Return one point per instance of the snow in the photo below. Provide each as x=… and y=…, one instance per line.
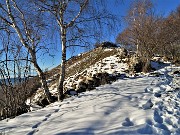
x=133, y=105
x=110, y=65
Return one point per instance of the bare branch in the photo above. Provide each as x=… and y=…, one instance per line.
x=23, y=20
x=6, y=21
x=70, y=24
x=15, y=26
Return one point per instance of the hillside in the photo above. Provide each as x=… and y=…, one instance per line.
x=86, y=64
x=105, y=94
x=77, y=64
x=144, y=104
x=78, y=78
x=91, y=69
x=127, y=84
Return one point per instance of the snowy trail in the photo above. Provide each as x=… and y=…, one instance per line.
x=101, y=111
x=141, y=105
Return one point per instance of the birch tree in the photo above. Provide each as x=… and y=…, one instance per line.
x=142, y=31
x=78, y=22
x=26, y=23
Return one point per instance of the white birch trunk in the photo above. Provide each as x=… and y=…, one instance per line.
x=31, y=51
x=41, y=75
x=63, y=65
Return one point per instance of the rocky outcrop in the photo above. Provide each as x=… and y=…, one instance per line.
x=101, y=72
x=106, y=45
x=122, y=53
x=135, y=65
x=85, y=83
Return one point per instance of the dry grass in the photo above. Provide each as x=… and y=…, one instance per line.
x=79, y=63
x=74, y=65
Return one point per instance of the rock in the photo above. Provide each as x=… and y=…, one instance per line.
x=81, y=86
x=112, y=78
x=42, y=101
x=123, y=53
x=138, y=67
x=156, y=74
x=157, y=94
x=176, y=73
x=106, y=45
x=23, y=108
x=135, y=65
x=79, y=90
x=104, y=78
x=127, y=123
x=90, y=84
x=96, y=82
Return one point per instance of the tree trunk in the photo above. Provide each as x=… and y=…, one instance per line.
x=147, y=66
x=137, y=48
x=31, y=49
x=63, y=64
x=41, y=75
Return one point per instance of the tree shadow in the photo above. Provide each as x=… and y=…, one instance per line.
x=77, y=133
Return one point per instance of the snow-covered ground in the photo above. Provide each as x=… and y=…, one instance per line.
x=112, y=65
x=147, y=104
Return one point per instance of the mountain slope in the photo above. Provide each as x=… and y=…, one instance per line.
x=79, y=63
x=84, y=67
x=148, y=104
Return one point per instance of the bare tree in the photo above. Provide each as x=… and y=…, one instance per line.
x=77, y=21
x=13, y=78
x=142, y=30
x=26, y=22
x=169, y=37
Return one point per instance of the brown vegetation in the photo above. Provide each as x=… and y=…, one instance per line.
x=151, y=34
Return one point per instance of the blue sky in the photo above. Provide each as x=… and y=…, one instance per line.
x=163, y=7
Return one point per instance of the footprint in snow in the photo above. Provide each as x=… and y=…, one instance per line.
x=32, y=132
x=147, y=129
x=36, y=125
x=48, y=115
x=149, y=122
x=168, y=121
x=127, y=123
x=148, y=89
x=178, y=121
x=161, y=126
x=148, y=105
x=169, y=111
x=57, y=110
x=164, y=128
x=156, y=94
x=134, y=99
x=157, y=117
x=160, y=106
x=45, y=119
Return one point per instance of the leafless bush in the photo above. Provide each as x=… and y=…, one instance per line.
x=13, y=82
